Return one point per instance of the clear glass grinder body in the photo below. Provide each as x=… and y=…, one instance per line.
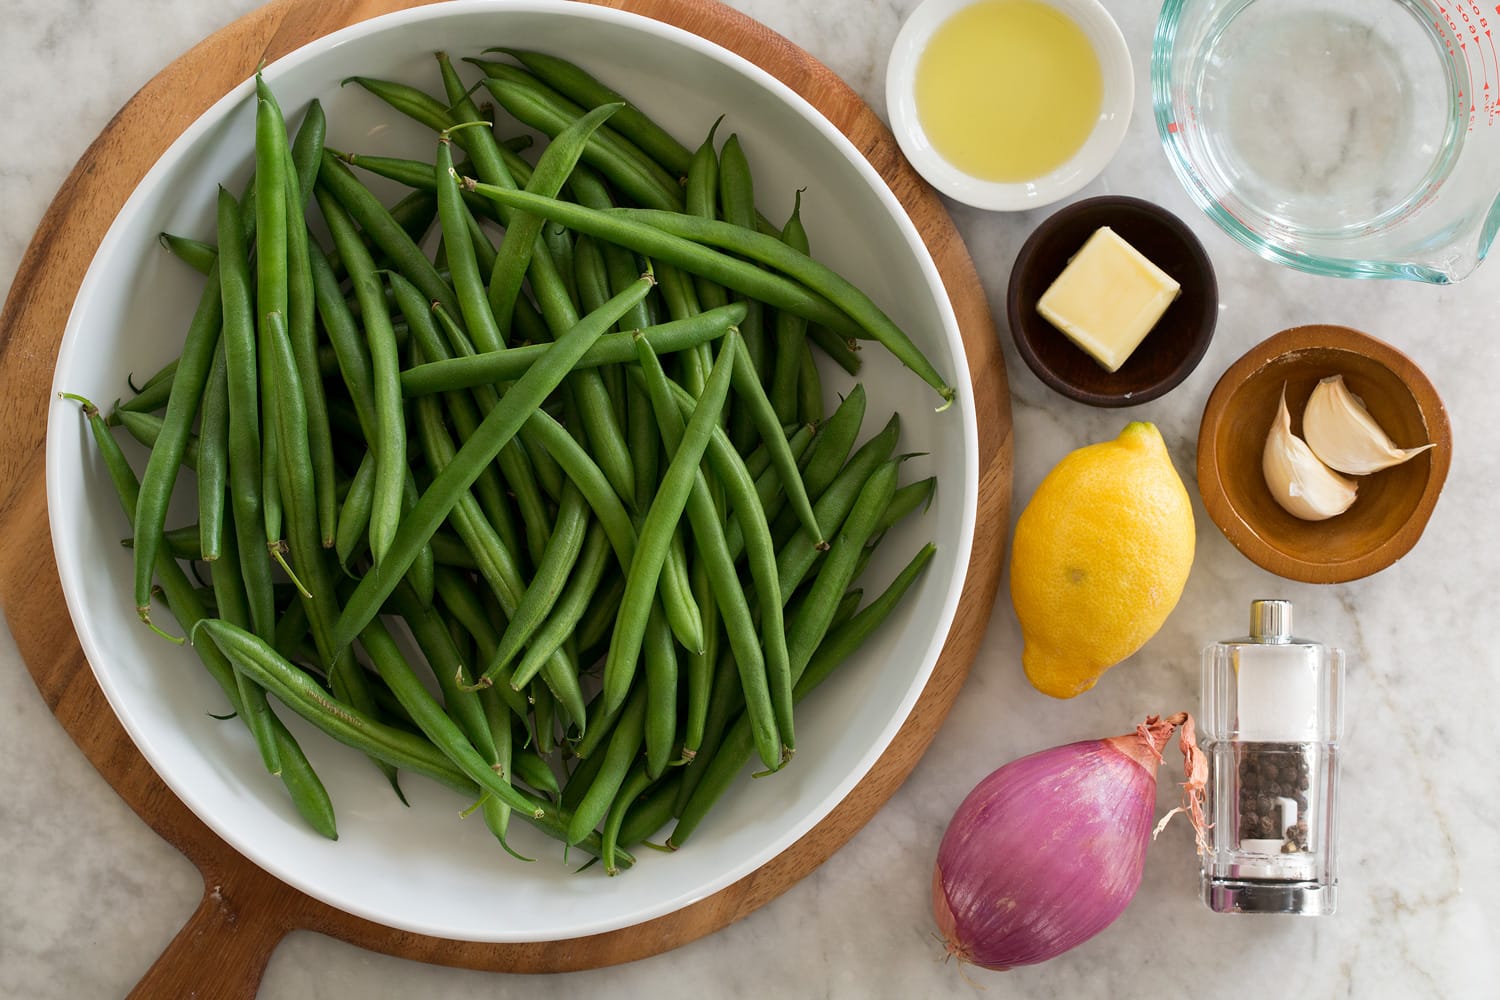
x=1271, y=721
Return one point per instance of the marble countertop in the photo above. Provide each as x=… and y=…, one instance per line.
x=89, y=895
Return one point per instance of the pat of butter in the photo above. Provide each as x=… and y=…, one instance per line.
x=1108, y=298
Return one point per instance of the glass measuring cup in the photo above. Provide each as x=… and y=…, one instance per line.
x=1355, y=138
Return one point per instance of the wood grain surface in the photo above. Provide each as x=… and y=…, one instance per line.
x=245, y=912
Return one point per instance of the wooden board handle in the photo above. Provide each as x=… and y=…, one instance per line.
x=222, y=951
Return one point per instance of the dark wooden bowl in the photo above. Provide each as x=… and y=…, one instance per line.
x=1174, y=346
x=1392, y=506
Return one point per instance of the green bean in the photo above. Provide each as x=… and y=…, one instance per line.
x=363, y=207
x=660, y=654
x=153, y=394
x=448, y=550
x=420, y=576
x=650, y=812
x=577, y=85
x=701, y=198
x=843, y=350
x=213, y=458
x=524, y=229
x=584, y=473
x=700, y=664
x=231, y=602
x=809, y=402
x=764, y=419
x=907, y=499
x=488, y=155
x=457, y=595
x=467, y=283
x=388, y=431
x=147, y=427
x=582, y=776
x=626, y=228
x=346, y=338
x=307, y=151
x=436, y=643
x=849, y=300
x=408, y=100
x=726, y=698
x=661, y=521
x=544, y=712
x=624, y=744
x=307, y=792
x=848, y=605
x=414, y=214
x=763, y=664
x=767, y=489
x=435, y=723
x=416, y=175
x=806, y=629
x=645, y=441
x=611, y=349
x=531, y=769
x=489, y=489
x=833, y=442
x=497, y=565
x=549, y=475
x=576, y=601
x=737, y=208
x=513, y=463
x=354, y=516
x=547, y=584
x=272, y=157
x=736, y=749
x=536, y=105
x=684, y=616
x=242, y=373
x=294, y=477
x=496, y=813
x=798, y=555
x=619, y=264
x=166, y=456
x=302, y=326
x=182, y=543
x=636, y=783
x=196, y=254
x=791, y=331
x=599, y=619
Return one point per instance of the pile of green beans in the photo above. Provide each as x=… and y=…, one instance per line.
x=549, y=429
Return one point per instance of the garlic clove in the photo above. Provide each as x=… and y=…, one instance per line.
x=1303, y=485
x=1341, y=432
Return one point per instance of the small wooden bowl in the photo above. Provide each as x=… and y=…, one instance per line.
x=1174, y=346
x=1392, y=506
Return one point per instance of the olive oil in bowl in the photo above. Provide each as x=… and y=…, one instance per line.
x=1008, y=90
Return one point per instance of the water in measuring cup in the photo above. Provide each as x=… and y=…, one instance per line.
x=1322, y=117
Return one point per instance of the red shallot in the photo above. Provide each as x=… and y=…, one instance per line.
x=1047, y=851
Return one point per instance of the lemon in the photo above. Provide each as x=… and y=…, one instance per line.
x=1100, y=557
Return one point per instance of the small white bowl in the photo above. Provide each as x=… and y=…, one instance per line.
x=1080, y=169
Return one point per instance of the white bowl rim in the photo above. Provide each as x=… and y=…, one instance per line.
x=92, y=642
x=1077, y=172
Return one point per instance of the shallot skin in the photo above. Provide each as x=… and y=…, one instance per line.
x=1045, y=852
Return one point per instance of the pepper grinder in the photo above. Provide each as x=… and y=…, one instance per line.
x=1271, y=721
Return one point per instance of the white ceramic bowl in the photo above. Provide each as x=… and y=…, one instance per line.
x=421, y=869
x=1079, y=170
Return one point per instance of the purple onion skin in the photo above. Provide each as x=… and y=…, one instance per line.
x=1044, y=853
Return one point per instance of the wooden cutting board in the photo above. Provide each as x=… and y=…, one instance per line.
x=223, y=949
